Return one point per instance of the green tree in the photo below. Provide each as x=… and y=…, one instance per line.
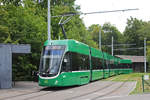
x=109, y=31
x=133, y=36
x=148, y=54
x=23, y=25
x=14, y=2
x=26, y=23
x=94, y=33
x=144, y=32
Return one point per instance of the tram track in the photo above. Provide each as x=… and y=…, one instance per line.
x=43, y=92
x=82, y=95
x=32, y=97
x=5, y=98
x=28, y=93
x=90, y=92
x=110, y=92
x=57, y=90
x=99, y=96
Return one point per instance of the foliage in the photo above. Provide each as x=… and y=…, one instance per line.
x=14, y=2
x=135, y=32
x=23, y=25
x=144, y=32
x=133, y=36
x=148, y=54
x=25, y=22
x=107, y=31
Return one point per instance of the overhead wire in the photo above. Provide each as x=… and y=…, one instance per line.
x=109, y=11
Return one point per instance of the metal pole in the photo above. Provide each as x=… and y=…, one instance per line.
x=100, y=41
x=49, y=21
x=145, y=55
x=112, y=46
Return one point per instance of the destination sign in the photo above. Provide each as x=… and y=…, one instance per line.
x=54, y=47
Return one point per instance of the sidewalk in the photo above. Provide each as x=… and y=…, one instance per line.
x=22, y=87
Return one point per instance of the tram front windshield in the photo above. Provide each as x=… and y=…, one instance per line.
x=51, y=60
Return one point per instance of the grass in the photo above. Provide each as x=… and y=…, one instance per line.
x=131, y=77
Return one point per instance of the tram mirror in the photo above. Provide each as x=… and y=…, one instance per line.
x=65, y=60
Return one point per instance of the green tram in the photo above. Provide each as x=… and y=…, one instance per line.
x=69, y=62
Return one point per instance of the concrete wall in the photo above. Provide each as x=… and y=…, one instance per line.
x=6, y=51
x=21, y=48
x=5, y=66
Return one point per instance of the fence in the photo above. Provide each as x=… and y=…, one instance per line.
x=146, y=83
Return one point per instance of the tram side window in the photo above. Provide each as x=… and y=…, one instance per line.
x=129, y=65
x=85, y=62
x=80, y=62
x=121, y=66
x=66, y=64
x=105, y=64
x=125, y=66
x=100, y=63
x=111, y=64
x=96, y=63
x=115, y=66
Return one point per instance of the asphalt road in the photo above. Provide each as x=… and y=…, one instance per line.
x=98, y=90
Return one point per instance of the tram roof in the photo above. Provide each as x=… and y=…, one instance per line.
x=96, y=53
x=72, y=45
x=79, y=47
x=76, y=46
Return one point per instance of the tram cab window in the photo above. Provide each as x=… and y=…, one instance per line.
x=66, y=63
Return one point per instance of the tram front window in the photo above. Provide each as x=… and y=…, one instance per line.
x=51, y=60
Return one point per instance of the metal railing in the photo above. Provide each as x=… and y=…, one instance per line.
x=146, y=83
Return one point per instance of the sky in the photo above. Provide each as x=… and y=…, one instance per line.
x=118, y=19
